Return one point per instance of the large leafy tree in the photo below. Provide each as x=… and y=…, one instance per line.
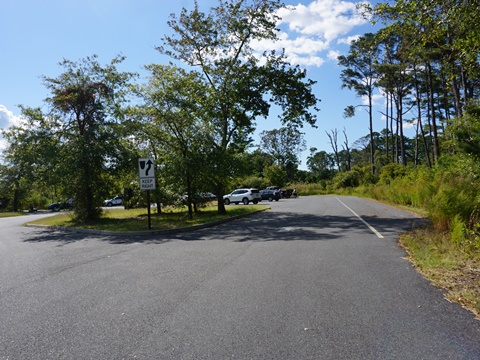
x=86, y=104
x=173, y=125
x=31, y=161
x=239, y=86
x=284, y=145
x=321, y=164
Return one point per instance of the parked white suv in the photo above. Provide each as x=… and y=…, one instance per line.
x=243, y=196
x=117, y=200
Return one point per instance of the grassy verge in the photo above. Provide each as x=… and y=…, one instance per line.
x=444, y=257
x=446, y=266
x=11, y=213
x=136, y=219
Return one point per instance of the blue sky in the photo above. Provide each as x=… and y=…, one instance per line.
x=36, y=35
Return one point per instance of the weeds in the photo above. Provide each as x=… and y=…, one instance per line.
x=440, y=261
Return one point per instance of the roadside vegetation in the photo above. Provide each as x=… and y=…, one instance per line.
x=196, y=120
x=10, y=213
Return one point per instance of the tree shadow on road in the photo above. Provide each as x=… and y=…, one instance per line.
x=259, y=227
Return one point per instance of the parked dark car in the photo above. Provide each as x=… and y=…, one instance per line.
x=270, y=195
x=57, y=206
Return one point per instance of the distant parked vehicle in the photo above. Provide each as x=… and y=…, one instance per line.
x=57, y=206
x=270, y=195
x=287, y=193
x=117, y=200
x=244, y=196
x=200, y=197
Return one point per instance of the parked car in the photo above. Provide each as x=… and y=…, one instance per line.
x=117, y=200
x=286, y=194
x=270, y=195
x=244, y=196
x=200, y=197
x=57, y=206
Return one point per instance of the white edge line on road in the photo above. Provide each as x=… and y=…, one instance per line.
x=358, y=216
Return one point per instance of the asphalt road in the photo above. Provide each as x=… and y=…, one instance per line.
x=312, y=278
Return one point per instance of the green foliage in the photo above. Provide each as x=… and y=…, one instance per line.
x=390, y=172
x=308, y=189
x=321, y=164
x=457, y=230
x=347, y=179
x=449, y=194
x=275, y=174
x=87, y=103
x=353, y=178
x=250, y=182
x=466, y=131
x=238, y=87
x=471, y=240
x=284, y=146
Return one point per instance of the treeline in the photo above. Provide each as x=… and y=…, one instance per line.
x=196, y=121
x=425, y=63
x=195, y=116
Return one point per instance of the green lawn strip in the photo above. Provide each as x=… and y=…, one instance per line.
x=137, y=219
x=11, y=213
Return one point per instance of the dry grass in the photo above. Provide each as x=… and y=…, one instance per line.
x=446, y=266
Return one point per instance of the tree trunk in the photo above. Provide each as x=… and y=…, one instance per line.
x=436, y=145
x=221, y=204
x=372, y=145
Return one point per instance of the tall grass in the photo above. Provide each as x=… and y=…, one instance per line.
x=451, y=200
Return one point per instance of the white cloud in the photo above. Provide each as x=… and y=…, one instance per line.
x=327, y=19
x=307, y=31
x=377, y=99
x=348, y=40
x=7, y=118
x=333, y=55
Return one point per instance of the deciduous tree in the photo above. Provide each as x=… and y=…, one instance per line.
x=86, y=101
x=239, y=85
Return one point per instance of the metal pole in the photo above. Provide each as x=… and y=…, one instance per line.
x=148, y=211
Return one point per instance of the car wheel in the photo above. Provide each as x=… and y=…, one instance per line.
x=227, y=202
x=270, y=198
x=277, y=199
x=255, y=202
x=109, y=204
x=245, y=201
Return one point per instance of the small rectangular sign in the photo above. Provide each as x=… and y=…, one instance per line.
x=147, y=184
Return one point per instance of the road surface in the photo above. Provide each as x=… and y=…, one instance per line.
x=312, y=278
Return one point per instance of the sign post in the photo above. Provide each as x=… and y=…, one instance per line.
x=146, y=171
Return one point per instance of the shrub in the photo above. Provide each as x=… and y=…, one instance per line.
x=392, y=171
x=347, y=179
x=250, y=182
x=306, y=189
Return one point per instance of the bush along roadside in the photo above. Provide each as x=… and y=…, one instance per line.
x=448, y=251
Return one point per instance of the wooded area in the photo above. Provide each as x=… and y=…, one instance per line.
x=196, y=116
